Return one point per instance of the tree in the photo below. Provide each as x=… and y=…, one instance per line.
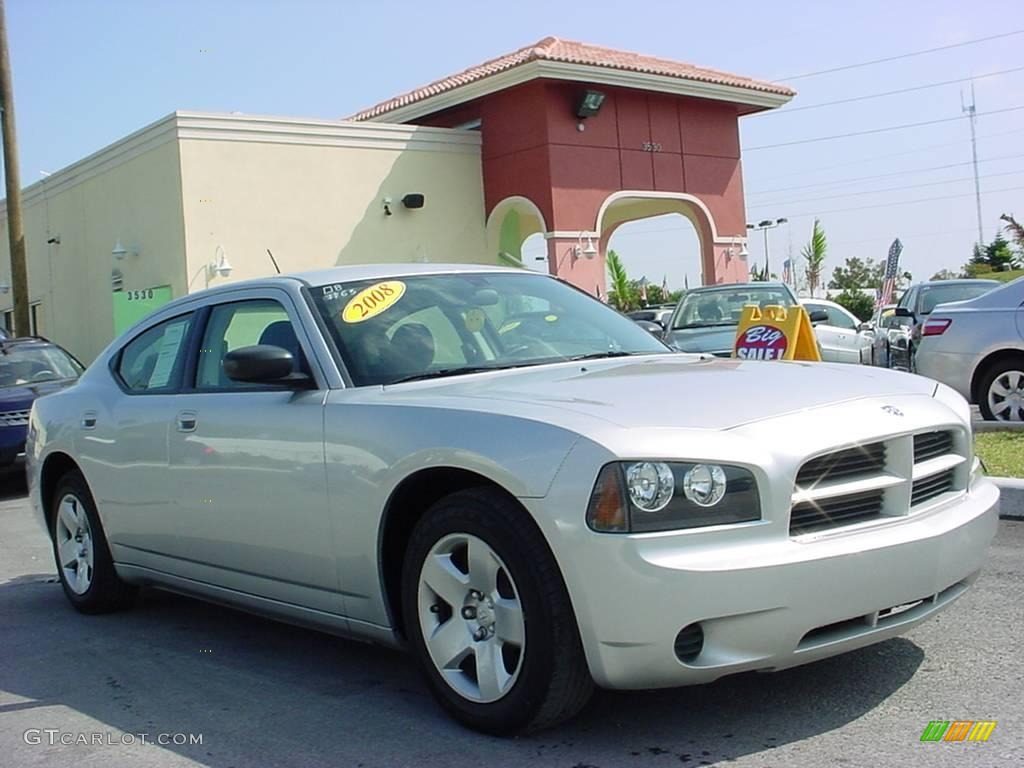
x=945, y=274
x=998, y=254
x=1014, y=230
x=619, y=287
x=858, y=273
x=814, y=253
x=857, y=302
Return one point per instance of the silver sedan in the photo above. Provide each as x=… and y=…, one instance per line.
x=454, y=460
x=977, y=347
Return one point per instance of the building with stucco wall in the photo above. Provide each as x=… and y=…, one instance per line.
x=498, y=152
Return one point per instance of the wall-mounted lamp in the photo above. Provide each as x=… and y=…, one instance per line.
x=219, y=267
x=587, y=251
x=119, y=251
x=387, y=203
x=589, y=104
x=55, y=240
x=5, y=288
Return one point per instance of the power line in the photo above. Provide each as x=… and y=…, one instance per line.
x=877, y=130
x=898, y=202
x=901, y=56
x=776, y=204
x=903, y=153
x=789, y=110
x=857, y=179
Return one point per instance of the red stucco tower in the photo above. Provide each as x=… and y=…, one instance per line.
x=661, y=137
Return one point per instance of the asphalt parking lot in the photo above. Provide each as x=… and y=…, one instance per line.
x=266, y=694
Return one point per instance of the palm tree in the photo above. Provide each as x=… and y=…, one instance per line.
x=814, y=252
x=618, y=289
x=1013, y=229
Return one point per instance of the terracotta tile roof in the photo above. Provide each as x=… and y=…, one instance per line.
x=569, y=52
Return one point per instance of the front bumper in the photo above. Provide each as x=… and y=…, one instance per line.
x=768, y=603
x=12, y=443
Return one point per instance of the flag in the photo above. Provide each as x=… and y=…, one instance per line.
x=892, y=265
x=786, y=272
x=686, y=282
x=643, y=291
x=664, y=288
x=599, y=296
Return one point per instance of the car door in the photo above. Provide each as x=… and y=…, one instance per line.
x=123, y=443
x=846, y=339
x=247, y=462
x=826, y=334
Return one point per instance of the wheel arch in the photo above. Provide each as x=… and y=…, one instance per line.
x=985, y=365
x=55, y=466
x=406, y=505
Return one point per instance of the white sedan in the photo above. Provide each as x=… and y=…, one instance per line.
x=839, y=336
x=454, y=460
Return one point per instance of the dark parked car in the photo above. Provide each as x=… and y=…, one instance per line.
x=706, y=318
x=659, y=315
x=919, y=301
x=29, y=368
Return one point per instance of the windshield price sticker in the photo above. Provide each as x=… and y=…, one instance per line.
x=762, y=342
x=371, y=301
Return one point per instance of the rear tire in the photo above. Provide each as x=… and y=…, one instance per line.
x=489, y=619
x=84, y=565
x=1001, y=394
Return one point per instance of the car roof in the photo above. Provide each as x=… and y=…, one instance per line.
x=962, y=281
x=737, y=286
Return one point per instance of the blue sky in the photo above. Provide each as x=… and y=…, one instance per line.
x=87, y=73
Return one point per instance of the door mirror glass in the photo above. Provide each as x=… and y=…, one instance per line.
x=260, y=364
x=902, y=312
x=818, y=316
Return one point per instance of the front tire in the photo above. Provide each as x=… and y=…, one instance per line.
x=1001, y=396
x=489, y=618
x=83, y=560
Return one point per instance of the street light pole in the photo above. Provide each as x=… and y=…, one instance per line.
x=15, y=231
x=764, y=225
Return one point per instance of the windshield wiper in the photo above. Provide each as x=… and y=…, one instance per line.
x=702, y=325
x=602, y=355
x=445, y=372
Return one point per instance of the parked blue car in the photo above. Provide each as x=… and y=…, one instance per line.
x=29, y=368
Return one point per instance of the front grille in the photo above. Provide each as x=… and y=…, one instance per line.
x=810, y=516
x=14, y=418
x=928, y=445
x=847, y=463
x=928, y=488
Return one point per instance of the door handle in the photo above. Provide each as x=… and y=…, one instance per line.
x=187, y=421
x=88, y=420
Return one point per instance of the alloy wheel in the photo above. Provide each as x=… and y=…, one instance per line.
x=76, y=554
x=471, y=618
x=1006, y=396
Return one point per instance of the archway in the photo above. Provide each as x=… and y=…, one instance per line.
x=511, y=223
x=664, y=249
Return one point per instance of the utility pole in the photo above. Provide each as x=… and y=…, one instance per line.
x=15, y=230
x=972, y=114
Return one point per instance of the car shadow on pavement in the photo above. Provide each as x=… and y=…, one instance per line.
x=12, y=483
x=265, y=693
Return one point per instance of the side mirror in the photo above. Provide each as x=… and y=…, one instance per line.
x=865, y=327
x=902, y=312
x=818, y=316
x=262, y=364
x=651, y=327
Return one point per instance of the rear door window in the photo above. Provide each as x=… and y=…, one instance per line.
x=152, y=361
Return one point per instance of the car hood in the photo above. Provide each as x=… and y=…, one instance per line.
x=23, y=395
x=670, y=391
x=702, y=339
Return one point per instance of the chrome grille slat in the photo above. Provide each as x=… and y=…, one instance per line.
x=14, y=418
x=928, y=445
x=930, y=487
x=848, y=462
x=830, y=513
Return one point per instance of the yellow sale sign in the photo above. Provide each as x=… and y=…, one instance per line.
x=775, y=333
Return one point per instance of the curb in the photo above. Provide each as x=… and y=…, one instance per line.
x=997, y=426
x=1011, y=497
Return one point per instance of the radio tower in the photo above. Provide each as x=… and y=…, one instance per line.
x=972, y=114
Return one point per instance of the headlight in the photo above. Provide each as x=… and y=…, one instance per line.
x=644, y=496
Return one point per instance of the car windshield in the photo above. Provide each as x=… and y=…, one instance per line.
x=703, y=309
x=428, y=326
x=31, y=365
x=933, y=295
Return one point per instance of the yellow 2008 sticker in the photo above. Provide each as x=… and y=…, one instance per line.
x=371, y=301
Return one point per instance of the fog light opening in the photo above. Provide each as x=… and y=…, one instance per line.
x=689, y=643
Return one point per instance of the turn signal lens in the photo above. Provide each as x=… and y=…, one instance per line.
x=607, y=512
x=936, y=327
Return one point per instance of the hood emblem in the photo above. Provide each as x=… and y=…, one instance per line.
x=892, y=410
